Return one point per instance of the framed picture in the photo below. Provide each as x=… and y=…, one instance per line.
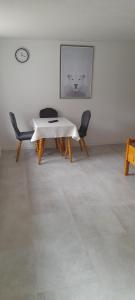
x=76, y=71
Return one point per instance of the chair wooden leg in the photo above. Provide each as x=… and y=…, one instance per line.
x=85, y=146
x=80, y=145
x=43, y=145
x=18, y=150
x=126, y=167
x=59, y=145
x=62, y=145
x=40, y=151
x=126, y=163
x=66, y=149
x=56, y=143
x=69, y=149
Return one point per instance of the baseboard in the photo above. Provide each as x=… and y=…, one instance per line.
x=50, y=144
x=28, y=146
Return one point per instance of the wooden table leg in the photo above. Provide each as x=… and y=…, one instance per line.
x=40, y=150
x=69, y=149
x=37, y=146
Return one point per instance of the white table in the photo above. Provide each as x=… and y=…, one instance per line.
x=61, y=129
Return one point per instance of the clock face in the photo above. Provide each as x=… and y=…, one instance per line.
x=22, y=55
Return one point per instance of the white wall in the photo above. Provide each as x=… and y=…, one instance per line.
x=26, y=88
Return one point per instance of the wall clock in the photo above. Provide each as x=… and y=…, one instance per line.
x=22, y=55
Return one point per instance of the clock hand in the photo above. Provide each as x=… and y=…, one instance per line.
x=23, y=55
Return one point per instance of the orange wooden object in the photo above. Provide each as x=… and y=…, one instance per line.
x=130, y=155
x=40, y=150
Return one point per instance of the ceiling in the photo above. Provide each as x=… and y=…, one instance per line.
x=78, y=20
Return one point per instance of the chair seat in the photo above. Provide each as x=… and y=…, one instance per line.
x=25, y=135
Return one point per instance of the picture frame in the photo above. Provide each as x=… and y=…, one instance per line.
x=76, y=71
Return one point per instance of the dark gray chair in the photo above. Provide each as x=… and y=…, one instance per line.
x=86, y=116
x=20, y=136
x=48, y=112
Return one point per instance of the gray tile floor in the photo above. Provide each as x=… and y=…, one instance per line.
x=67, y=231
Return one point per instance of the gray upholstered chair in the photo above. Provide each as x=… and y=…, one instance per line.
x=20, y=136
x=83, y=129
x=49, y=112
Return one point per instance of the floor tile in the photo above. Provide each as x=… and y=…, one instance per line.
x=83, y=291
x=67, y=230
x=17, y=271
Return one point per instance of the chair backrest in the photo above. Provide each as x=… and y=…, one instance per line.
x=14, y=124
x=48, y=113
x=84, y=123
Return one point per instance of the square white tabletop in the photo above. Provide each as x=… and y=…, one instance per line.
x=62, y=128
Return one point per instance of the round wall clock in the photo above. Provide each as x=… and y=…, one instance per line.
x=22, y=55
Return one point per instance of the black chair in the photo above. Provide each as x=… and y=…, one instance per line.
x=48, y=113
x=83, y=130
x=20, y=136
